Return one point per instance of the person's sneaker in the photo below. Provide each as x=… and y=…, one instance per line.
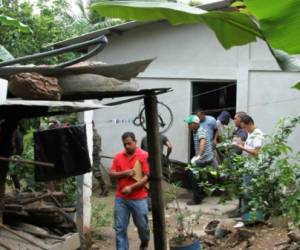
x=192, y=202
x=144, y=245
x=239, y=224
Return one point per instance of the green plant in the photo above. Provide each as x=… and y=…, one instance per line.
x=69, y=188
x=101, y=216
x=274, y=175
x=49, y=22
x=185, y=220
x=274, y=187
x=278, y=28
x=24, y=171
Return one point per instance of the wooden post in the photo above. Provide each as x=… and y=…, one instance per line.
x=3, y=90
x=158, y=208
x=6, y=133
x=84, y=184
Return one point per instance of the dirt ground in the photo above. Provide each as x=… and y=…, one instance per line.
x=258, y=237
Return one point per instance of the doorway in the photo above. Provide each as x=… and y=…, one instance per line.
x=213, y=98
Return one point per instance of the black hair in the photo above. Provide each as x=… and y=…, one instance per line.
x=241, y=114
x=128, y=134
x=247, y=119
x=200, y=110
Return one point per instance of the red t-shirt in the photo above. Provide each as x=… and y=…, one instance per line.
x=122, y=162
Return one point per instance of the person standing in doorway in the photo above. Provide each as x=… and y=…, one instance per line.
x=207, y=122
x=225, y=127
x=131, y=195
x=239, y=134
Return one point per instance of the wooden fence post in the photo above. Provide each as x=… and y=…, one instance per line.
x=158, y=208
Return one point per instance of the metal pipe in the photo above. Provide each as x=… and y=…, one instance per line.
x=102, y=40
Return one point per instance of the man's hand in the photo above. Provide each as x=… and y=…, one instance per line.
x=194, y=159
x=127, y=190
x=129, y=173
x=240, y=146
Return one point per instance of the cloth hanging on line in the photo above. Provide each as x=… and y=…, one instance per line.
x=66, y=148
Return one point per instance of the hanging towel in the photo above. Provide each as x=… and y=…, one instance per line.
x=66, y=148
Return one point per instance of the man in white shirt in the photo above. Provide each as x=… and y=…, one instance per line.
x=250, y=148
x=255, y=137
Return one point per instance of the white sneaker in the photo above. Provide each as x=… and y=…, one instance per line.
x=239, y=224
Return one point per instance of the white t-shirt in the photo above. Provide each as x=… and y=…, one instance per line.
x=254, y=140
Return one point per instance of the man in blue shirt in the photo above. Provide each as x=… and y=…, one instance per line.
x=207, y=122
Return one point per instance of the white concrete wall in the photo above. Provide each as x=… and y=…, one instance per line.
x=186, y=53
x=111, y=131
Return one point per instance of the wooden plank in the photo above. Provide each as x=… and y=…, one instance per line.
x=72, y=242
x=21, y=236
x=39, y=163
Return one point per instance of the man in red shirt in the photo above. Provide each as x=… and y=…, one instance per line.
x=131, y=194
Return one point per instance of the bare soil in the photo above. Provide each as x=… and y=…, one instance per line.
x=257, y=237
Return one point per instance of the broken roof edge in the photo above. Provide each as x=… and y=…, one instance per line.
x=217, y=5
x=50, y=104
x=18, y=108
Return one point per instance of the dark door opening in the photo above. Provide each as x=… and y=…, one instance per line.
x=213, y=98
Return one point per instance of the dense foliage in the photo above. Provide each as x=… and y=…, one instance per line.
x=49, y=23
x=275, y=174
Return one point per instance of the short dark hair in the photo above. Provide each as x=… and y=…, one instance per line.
x=200, y=110
x=247, y=119
x=241, y=114
x=128, y=134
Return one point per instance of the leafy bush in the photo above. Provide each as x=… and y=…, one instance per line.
x=100, y=216
x=275, y=174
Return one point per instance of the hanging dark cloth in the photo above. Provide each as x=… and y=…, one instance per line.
x=66, y=148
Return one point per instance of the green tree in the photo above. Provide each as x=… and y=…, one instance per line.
x=277, y=23
x=49, y=23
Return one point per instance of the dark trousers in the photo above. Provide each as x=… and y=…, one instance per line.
x=198, y=191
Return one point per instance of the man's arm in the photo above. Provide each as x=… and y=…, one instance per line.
x=121, y=174
x=251, y=151
x=216, y=135
x=202, y=145
x=129, y=189
x=169, y=148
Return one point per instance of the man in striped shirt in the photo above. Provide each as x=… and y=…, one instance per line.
x=203, y=155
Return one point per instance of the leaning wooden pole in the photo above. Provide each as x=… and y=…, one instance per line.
x=158, y=209
x=7, y=129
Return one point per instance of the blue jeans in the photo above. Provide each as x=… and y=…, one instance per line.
x=139, y=211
